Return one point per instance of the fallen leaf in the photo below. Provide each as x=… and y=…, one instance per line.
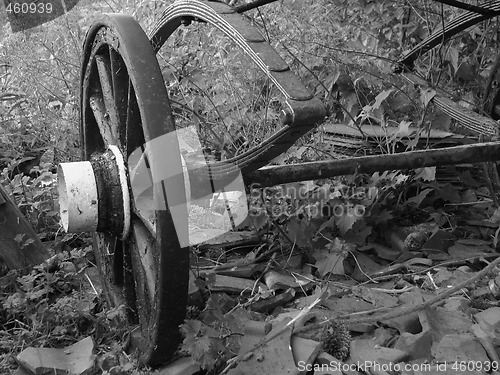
x=364, y=266
x=274, y=357
x=346, y=305
x=459, y=347
x=442, y=322
x=417, y=200
x=461, y=251
x=76, y=359
x=346, y=219
x=365, y=351
x=299, y=231
x=489, y=321
x=417, y=345
x=268, y=304
x=302, y=348
x=330, y=262
x=276, y=280
x=235, y=285
x=378, y=299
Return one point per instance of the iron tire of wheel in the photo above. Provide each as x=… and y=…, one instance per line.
x=124, y=103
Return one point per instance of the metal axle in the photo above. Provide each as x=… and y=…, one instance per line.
x=282, y=174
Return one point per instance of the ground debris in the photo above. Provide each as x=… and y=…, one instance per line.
x=76, y=359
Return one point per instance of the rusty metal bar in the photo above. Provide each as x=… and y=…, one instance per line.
x=275, y=175
x=246, y=7
x=455, y=26
x=469, y=7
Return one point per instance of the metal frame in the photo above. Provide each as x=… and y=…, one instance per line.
x=482, y=125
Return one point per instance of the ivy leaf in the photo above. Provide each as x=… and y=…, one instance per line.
x=299, y=231
x=496, y=216
x=331, y=263
x=453, y=57
x=404, y=128
x=358, y=234
x=191, y=328
x=200, y=342
x=258, y=218
x=308, y=186
x=15, y=300
x=347, y=218
x=400, y=178
x=331, y=260
x=426, y=96
x=426, y=174
x=412, y=143
x=449, y=193
x=199, y=348
x=381, y=97
x=420, y=197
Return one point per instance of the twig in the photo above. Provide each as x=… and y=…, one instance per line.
x=268, y=267
x=361, y=269
x=469, y=203
x=413, y=309
x=432, y=280
x=92, y=285
x=393, y=291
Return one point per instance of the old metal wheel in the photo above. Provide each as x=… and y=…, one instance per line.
x=124, y=103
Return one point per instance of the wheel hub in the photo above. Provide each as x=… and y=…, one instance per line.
x=94, y=195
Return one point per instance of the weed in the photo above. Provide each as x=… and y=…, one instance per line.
x=53, y=306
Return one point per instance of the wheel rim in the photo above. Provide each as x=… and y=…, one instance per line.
x=124, y=103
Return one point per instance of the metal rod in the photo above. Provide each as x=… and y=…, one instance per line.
x=254, y=4
x=469, y=7
x=275, y=175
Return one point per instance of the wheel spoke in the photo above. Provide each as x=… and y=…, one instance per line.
x=134, y=134
x=143, y=204
x=114, y=283
x=106, y=128
x=144, y=250
x=107, y=92
x=121, y=88
x=148, y=218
